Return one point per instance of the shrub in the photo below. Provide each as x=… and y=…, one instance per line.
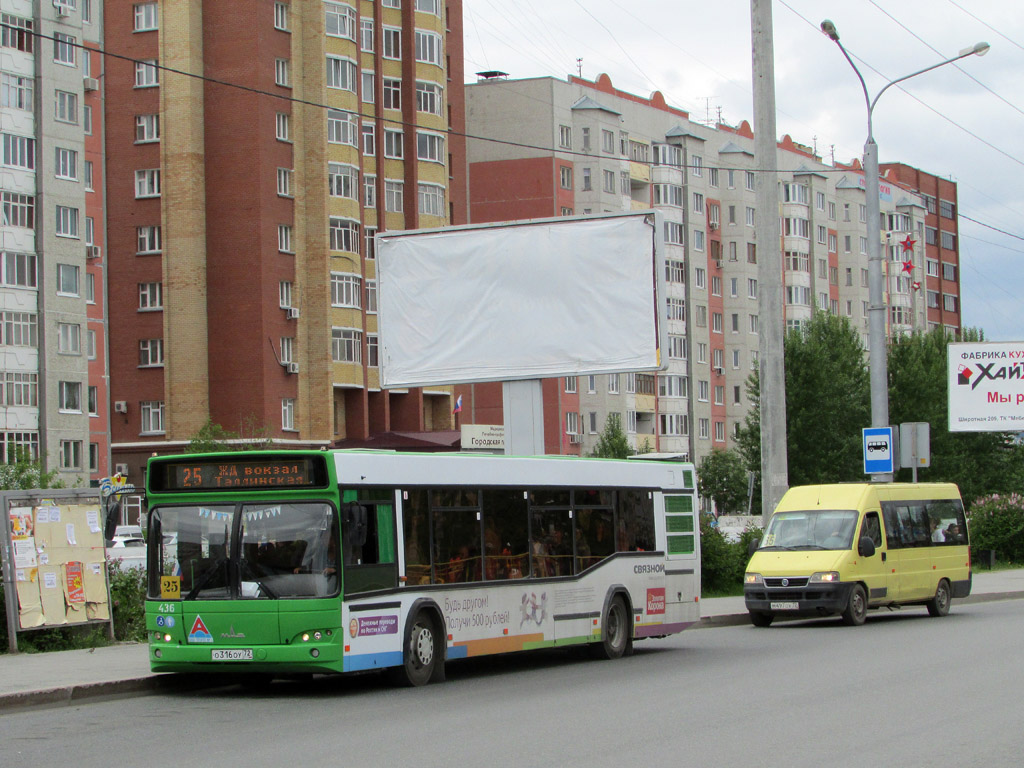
x=128, y=601
x=996, y=522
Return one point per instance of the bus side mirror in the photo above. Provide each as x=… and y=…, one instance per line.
x=113, y=509
x=353, y=518
x=752, y=547
x=865, y=547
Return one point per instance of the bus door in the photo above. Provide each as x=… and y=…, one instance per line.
x=681, y=557
x=368, y=541
x=874, y=571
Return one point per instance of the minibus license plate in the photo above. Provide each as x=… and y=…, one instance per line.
x=785, y=606
x=232, y=654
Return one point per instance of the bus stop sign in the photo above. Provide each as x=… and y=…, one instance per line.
x=878, y=450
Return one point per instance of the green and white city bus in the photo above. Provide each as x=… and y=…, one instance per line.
x=285, y=562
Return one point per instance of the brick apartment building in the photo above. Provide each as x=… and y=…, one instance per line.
x=241, y=244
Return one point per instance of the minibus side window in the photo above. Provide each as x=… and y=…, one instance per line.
x=872, y=529
x=892, y=525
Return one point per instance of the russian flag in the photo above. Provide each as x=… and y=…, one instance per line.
x=458, y=405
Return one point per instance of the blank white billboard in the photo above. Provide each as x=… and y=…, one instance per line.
x=522, y=300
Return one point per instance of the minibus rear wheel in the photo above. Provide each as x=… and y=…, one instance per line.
x=759, y=619
x=939, y=605
x=857, y=609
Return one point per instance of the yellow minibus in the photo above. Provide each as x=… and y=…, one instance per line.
x=847, y=547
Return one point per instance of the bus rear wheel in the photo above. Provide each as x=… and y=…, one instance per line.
x=423, y=655
x=856, y=610
x=616, y=631
x=939, y=605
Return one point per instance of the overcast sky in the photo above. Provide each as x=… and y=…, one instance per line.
x=697, y=53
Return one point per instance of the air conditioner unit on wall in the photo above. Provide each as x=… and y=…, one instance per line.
x=93, y=251
x=293, y=313
x=292, y=367
x=121, y=469
x=120, y=406
x=90, y=83
x=61, y=9
x=573, y=439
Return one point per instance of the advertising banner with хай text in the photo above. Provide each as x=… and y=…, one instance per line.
x=986, y=386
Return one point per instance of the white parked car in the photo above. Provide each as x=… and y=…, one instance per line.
x=129, y=551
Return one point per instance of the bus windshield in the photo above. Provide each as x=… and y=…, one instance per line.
x=811, y=529
x=259, y=551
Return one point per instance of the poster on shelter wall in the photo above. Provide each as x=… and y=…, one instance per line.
x=76, y=582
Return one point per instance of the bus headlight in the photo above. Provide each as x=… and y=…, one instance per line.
x=752, y=578
x=824, y=577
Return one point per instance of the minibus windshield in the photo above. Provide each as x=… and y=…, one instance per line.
x=811, y=529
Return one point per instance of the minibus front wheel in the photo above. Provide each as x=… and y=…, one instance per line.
x=759, y=619
x=939, y=605
x=856, y=610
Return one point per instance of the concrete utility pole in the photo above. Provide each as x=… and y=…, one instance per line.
x=774, y=454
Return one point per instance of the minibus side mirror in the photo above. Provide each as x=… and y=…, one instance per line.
x=866, y=547
x=752, y=547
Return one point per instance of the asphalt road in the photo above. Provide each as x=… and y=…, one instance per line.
x=903, y=690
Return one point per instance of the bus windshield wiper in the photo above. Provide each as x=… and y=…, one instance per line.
x=207, y=575
x=256, y=580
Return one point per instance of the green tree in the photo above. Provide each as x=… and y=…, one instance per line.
x=212, y=437
x=612, y=443
x=979, y=463
x=24, y=473
x=721, y=476
x=827, y=404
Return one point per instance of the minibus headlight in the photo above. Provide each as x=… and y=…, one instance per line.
x=752, y=578
x=825, y=577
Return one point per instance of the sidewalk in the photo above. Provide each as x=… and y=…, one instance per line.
x=70, y=677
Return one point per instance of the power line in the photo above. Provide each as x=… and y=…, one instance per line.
x=957, y=66
x=985, y=23
x=915, y=98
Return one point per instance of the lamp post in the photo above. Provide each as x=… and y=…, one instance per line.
x=876, y=289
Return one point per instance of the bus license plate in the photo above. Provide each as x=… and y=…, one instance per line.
x=780, y=607
x=232, y=654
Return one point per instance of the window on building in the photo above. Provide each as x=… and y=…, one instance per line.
x=428, y=48
x=288, y=413
x=430, y=148
x=392, y=45
x=369, y=133
x=282, y=126
x=343, y=181
x=284, y=182
x=430, y=198
x=67, y=221
x=346, y=290
x=151, y=353
x=150, y=296
x=393, y=146
x=64, y=49
x=346, y=345
x=342, y=127
x=66, y=163
x=69, y=396
x=67, y=107
x=19, y=152
x=366, y=35
x=429, y=97
x=152, y=416
x=394, y=196
x=69, y=338
x=284, y=238
x=71, y=454
x=344, y=234
x=340, y=20
x=146, y=17
x=148, y=76
x=148, y=239
x=147, y=183
x=341, y=73
x=564, y=137
x=147, y=128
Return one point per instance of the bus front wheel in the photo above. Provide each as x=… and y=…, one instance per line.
x=616, y=631
x=939, y=605
x=423, y=655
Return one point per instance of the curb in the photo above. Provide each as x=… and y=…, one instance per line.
x=735, y=619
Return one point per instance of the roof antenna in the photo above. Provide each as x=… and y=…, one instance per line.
x=579, y=66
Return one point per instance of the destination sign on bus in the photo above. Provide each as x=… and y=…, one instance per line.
x=229, y=474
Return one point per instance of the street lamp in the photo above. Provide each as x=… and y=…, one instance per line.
x=876, y=292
